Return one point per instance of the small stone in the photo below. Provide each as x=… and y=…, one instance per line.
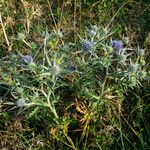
x=117, y=45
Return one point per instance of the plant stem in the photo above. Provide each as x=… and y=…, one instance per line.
x=3, y=28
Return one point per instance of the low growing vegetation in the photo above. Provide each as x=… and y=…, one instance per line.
x=74, y=75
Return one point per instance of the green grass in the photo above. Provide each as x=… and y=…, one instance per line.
x=71, y=94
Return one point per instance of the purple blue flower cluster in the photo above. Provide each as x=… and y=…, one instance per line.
x=117, y=45
x=87, y=46
x=72, y=67
x=26, y=59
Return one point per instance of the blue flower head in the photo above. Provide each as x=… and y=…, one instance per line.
x=133, y=68
x=87, y=46
x=72, y=67
x=117, y=45
x=26, y=59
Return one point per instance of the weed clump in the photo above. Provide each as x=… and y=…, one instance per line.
x=95, y=81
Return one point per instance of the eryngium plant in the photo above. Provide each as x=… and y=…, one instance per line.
x=109, y=61
x=95, y=70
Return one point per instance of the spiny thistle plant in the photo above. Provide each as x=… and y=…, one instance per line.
x=97, y=71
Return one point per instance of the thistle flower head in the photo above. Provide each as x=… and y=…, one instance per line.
x=87, y=46
x=117, y=45
x=26, y=59
x=72, y=67
x=133, y=68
